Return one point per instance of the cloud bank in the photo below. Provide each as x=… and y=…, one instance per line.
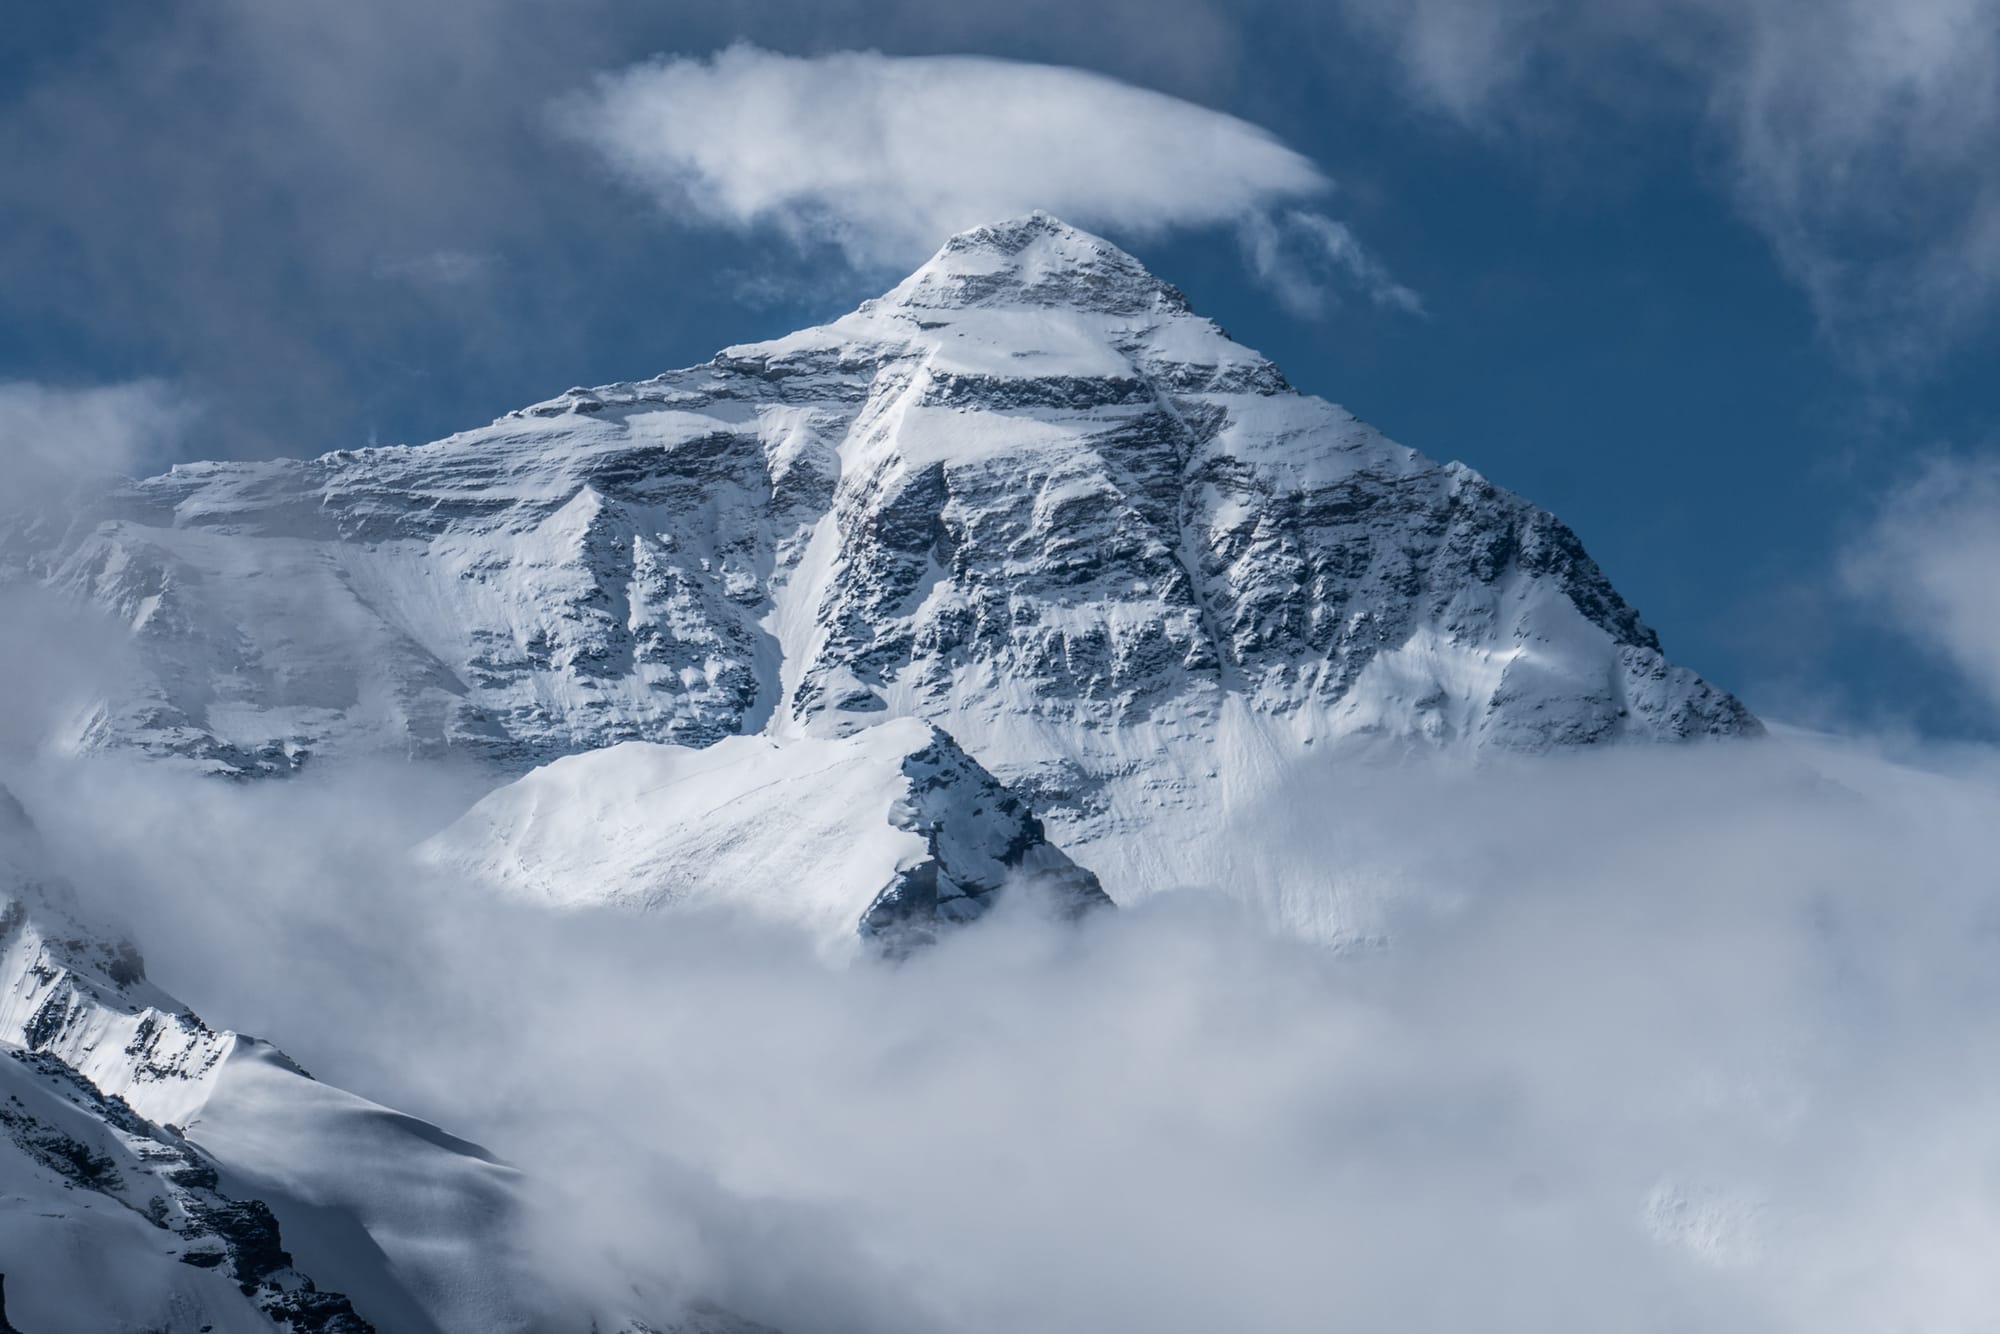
x=886, y=156
x=1858, y=137
x=1653, y=1040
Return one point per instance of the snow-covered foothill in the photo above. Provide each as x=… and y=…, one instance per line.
x=880, y=835
x=138, y=1098
x=111, y=1222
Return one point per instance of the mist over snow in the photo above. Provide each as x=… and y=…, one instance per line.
x=53, y=435
x=1648, y=1040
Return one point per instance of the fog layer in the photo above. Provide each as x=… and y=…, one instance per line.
x=1645, y=1039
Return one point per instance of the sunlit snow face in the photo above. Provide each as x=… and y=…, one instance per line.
x=1652, y=1040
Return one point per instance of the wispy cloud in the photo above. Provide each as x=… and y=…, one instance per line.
x=885, y=156
x=1931, y=561
x=439, y=268
x=1858, y=137
x=1299, y=255
x=49, y=433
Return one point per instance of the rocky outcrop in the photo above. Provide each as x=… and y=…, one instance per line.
x=979, y=840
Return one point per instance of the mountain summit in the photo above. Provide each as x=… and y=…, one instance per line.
x=1037, y=261
x=1028, y=496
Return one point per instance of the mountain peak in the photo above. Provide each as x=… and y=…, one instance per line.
x=1035, y=260
x=1012, y=236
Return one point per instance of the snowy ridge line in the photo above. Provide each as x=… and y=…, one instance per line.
x=80, y=995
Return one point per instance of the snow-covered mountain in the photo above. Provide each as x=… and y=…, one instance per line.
x=1028, y=496
x=1023, y=562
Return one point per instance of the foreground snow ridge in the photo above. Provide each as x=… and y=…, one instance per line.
x=147, y=1156
x=156, y=1173
x=885, y=835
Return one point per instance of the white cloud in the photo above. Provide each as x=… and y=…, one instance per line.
x=1932, y=561
x=1865, y=137
x=1859, y=136
x=1459, y=54
x=886, y=156
x=50, y=432
x=55, y=660
x=1659, y=1039
x=1288, y=251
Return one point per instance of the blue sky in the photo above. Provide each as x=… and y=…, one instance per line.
x=1713, y=282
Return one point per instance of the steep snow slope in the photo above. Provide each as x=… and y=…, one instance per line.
x=108, y=1221
x=893, y=830
x=76, y=992
x=1027, y=495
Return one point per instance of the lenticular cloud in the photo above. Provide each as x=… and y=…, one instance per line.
x=885, y=156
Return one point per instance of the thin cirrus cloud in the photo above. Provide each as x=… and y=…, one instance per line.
x=885, y=156
x=1857, y=137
